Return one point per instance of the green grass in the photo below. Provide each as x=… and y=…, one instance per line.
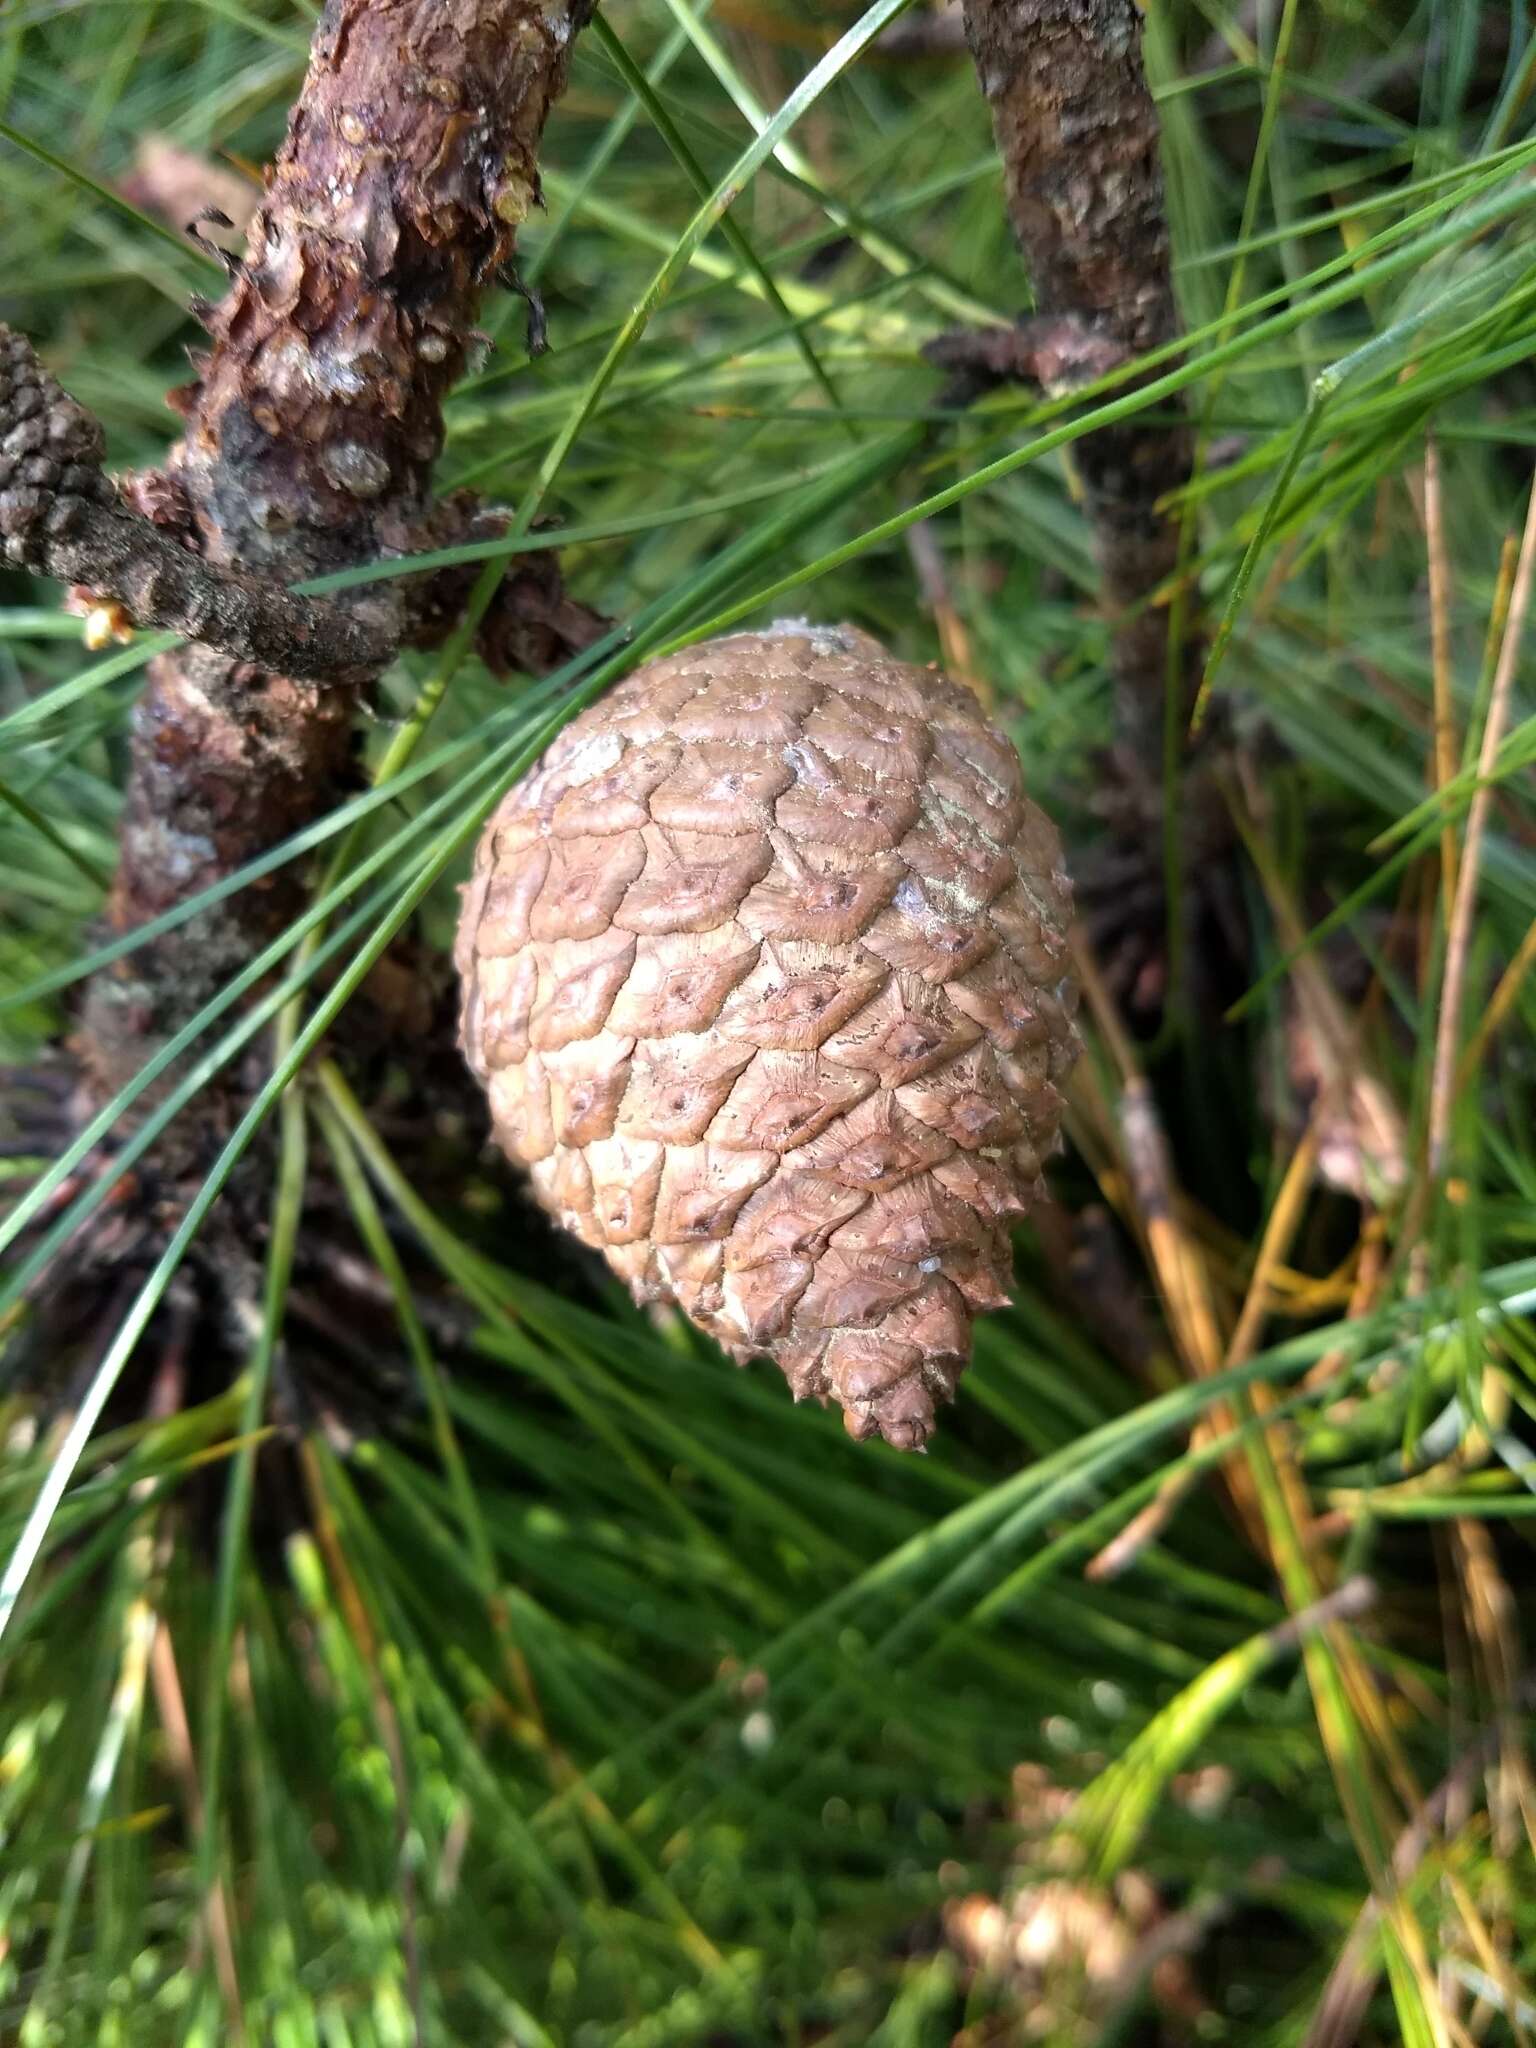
x=605, y=1697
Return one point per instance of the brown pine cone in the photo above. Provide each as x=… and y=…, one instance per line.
x=765, y=972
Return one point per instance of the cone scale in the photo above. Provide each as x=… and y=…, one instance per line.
x=765, y=975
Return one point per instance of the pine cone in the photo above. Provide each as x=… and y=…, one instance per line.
x=765, y=972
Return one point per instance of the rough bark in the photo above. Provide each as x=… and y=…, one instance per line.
x=60, y=514
x=311, y=433
x=1078, y=135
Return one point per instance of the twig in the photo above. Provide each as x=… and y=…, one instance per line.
x=1122, y=1551
x=176, y=1730
x=933, y=582
x=1348, y=1602
x=1177, y=1261
x=1353, y=1096
x=1459, y=937
x=1370, y=1273
x=1078, y=135
x=1499, y=1005
x=61, y=516
x=1444, y=759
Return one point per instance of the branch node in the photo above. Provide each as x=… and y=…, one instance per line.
x=1058, y=353
x=61, y=516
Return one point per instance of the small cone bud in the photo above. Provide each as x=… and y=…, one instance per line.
x=765, y=975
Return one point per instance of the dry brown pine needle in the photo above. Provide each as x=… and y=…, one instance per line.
x=765, y=973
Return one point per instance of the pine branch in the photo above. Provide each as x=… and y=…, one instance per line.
x=1078, y=135
x=61, y=516
x=311, y=433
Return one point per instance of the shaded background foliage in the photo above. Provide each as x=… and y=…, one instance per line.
x=539, y=1679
